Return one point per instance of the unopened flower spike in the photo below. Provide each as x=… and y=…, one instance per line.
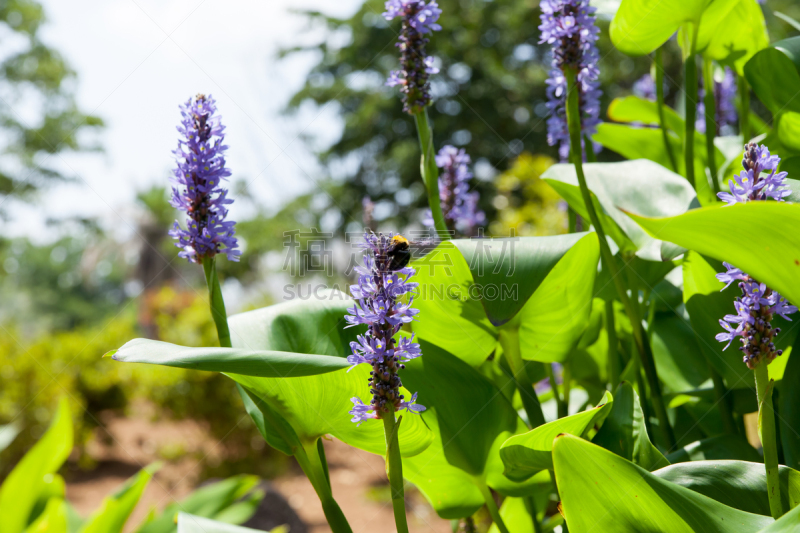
x=198, y=186
x=383, y=280
x=569, y=26
x=460, y=207
x=758, y=304
x=419, y=18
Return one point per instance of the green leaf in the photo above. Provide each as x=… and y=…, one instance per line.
x=515, y=516
x=450, y=313
x=313, y=406
x=601, y=491
x=624, y=431
x=788, y=129
x=54, y=519
x=248, y=362
x=789, y=20
x=772, y=75
x=566, y=298
x=525, y=455
x=737, y=37
x=519, y=264
x=188, y=523
x=22, y=487
x=785, y=524
x=634, y=109
x=676, y=350
x=450, y=490
x=707, y=304
x=789, y=411
x=115, y=510
x=738, y=484
x=716, y=448
x=641, y=26
x=773, y=258
x=206, y=502
x=641, y=186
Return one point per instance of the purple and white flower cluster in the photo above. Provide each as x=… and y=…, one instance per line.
x=758, y=304
x=569, y=26
x=460, y=206
x=725, y=99
x=419, y=18
x=754, y=183
x=645, y=88
x=198, y=184
x=378, y=305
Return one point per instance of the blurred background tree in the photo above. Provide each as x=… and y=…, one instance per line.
x=39, y=117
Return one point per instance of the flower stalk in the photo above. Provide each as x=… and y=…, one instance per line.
x=430, y=173
x=710, y=105
x=509, y=341
x=491, y=505
x=659, y=68
x=610, y=263
x=691, y=94
x=394, y=469
x=767, y=434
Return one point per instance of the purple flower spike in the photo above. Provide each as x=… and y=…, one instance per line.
x=645, y=88
x=569, y=26
x=198, y=186
x=460, y=206
x=757, y=304
x=754, y=183
x=378, y=293
x=419, y=18
x=725, y=97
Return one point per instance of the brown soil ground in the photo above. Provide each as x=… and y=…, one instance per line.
x=358, y=478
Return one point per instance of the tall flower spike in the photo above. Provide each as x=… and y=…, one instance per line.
x=198, y=186
x=725, y=97
x=460, y=206
x=378, y=304
x=569, y=26
x=757, y=304
x=419, y=18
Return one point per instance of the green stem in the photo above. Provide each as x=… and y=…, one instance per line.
x=566, y=378
x=556, y=393
x=659, y=64
x=744, y=109
x=430, y=172
x=312, y=464
x=766, y=431
x=537, y=527
x=218, y=312
x=690, y=90
x=509, y=341
x=610, y=262
x=710, y=102
x=494, y=512
x=613, y=355
x=394, y=469
x=591, y=157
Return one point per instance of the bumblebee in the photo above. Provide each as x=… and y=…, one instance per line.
x=399, y=253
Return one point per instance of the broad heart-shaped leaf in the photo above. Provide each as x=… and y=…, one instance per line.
x=773, y=75
x=21, y=489
x=641, y=26
x=115, y=510
x=262, y=363
x=773, y=258
x=624, y=431
x=634, y=142
x=601, y=491
x=738, y=484
x=206, y=502
x=514, y=264
x=536, y=273
x=470, y=419
x=716, y=448
x=676, y=351
x=730, y=31
x=555, y=317
x=641, y=186
x=450, y=311
x=188, y=523
x=516, y=516
x=631, y=109
x=306, y=408
x=525, y=455
x=789, y=409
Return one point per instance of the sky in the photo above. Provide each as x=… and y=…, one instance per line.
x=137, y=60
